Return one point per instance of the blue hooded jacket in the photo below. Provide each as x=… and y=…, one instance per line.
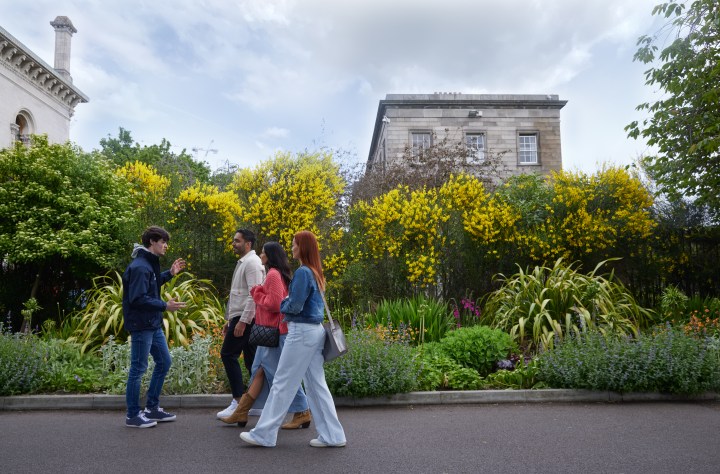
x=142, y=306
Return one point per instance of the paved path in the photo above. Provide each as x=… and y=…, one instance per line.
x=659, y=437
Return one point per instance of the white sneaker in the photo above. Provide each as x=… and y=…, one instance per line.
x=316, y=443
x=229, y=410
x=245, y=436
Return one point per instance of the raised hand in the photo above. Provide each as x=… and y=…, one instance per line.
x=177, y=266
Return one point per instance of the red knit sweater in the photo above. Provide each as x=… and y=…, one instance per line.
x=267, y=299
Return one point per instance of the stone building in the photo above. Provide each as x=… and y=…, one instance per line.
x=34, y=97
x=521, y=131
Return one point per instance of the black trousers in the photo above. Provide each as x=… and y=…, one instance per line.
x=230, y=352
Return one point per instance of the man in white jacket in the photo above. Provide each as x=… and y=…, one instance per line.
x=240, y=314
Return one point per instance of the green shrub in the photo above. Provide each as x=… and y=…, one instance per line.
x=372, y=367
x=536, y=307
x=700, y=304
x=666, y=360
x=524, y=376
x=69, y=370
x=189, y=372
x=477, y=347
x=428, y=319
x=22, y=362
x=438, y=371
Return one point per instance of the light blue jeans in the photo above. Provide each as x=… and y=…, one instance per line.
x=144, y=343
x=301, y=360
x=268, y=358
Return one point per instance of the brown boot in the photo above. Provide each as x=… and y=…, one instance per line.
x=240, y=415
x=300, y=419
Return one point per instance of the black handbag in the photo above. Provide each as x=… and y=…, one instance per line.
x=267, y=336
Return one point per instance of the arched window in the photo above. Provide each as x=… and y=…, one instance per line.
x=24, y=126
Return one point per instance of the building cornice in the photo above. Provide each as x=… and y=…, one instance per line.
x=17, y=57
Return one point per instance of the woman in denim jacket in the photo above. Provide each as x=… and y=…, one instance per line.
x=301, y=359
x=268, y=297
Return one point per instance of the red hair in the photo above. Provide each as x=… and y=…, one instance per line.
x=310, y=255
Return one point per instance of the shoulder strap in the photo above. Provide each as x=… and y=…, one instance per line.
x=327, y=310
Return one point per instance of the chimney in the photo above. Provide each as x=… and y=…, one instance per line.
x=64, y=30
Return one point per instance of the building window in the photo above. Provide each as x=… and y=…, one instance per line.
x=419, y=141
x=475, y=143
x=528, y=148
x=24, y=126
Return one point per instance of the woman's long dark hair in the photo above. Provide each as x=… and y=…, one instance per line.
x=278, y=259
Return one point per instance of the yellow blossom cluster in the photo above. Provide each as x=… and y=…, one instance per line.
x=290, y=193
x=148, y=186
x=491, y=221
x=411, y=225
x=593, y=215
x=209, y=210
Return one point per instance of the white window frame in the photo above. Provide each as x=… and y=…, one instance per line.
x=477, y=146
x=419, y=141
x=528, y=153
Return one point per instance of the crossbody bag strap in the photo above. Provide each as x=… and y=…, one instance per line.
x=332, y=325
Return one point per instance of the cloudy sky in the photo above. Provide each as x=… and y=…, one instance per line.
x=244, y=78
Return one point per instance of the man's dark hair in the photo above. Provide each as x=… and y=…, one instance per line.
x=153, y=234
x=248, y=236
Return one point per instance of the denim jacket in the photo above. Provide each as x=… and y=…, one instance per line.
x=304, y=303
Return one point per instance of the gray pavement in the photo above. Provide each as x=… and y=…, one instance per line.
x=580, y=437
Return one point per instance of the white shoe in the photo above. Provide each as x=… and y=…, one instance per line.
x=245, y=436
x=316, y=443
x=229, y=410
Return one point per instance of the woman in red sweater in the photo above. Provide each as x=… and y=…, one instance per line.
x=268, y=297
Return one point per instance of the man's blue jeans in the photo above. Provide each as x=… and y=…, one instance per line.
x=144, y=343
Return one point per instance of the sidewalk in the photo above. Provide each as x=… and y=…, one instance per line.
x=116, y=402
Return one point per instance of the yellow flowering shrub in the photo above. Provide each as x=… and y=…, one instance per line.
x=286, y=194
x=411, y=227
x=531, y=219
x=150, y=193
x=204, y=210
x=491, y=221
x=595, y=215
x=147, y=185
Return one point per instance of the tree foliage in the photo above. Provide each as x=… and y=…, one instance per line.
x=685, y=124
x=180, y=168
x=57, y=200
x=60, y=206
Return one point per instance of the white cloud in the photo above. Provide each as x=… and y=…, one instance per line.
x=228, y=71
x=275, y=132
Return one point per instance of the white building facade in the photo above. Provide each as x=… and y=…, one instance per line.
x=34, y=97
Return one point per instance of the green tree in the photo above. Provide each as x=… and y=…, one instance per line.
x=181, y=168
x=62, y=215
x=685, y=124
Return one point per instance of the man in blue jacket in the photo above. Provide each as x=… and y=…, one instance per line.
x=142, y=316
